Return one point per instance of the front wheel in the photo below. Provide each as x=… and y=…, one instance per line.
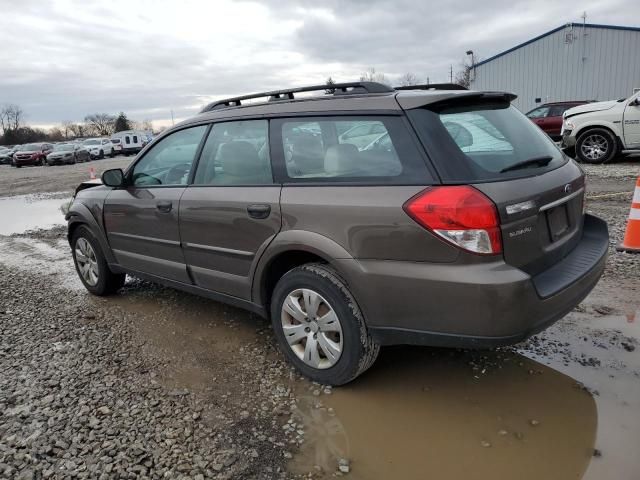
x=101, y=154
x=320, y=327
x=596, y=145
x=91, y=264
x=113, y=153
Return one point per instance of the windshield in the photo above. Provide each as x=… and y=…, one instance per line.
x=91, y=142
x=31, y=146
x=65, y=147
x=484, y=141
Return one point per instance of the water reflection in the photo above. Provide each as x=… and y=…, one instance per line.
x=444, y=414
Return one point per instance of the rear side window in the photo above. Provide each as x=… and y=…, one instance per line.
x=349, y=149
x=484, y=142
x=236, y=153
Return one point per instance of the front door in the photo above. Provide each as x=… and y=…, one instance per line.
x=231, y=212
x=631, y=123
x=141, y=220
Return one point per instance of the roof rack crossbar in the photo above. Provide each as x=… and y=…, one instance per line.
x=433, y=86
x=288, y=94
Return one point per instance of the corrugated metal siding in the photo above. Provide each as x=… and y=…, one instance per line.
x=553, y=70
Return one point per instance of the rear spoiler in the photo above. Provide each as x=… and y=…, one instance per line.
x=417, y=101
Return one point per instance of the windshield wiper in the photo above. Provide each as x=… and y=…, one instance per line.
x=539, y=161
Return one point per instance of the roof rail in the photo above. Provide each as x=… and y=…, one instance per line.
x=288, y=94
x=433, y=86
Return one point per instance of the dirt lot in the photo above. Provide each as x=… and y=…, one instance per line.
x=157, y=383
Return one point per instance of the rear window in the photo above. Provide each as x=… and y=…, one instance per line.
x=350, y=149
x=115, y=141
x=484, y=142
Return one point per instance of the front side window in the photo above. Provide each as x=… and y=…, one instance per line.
x=135, y=139
x=236, y=153
x=350, y=149
x=170, y=160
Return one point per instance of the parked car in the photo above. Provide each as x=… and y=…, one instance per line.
x=67, y=153
x=5, y=156
x=597, y=132
x=468, y=232
x=32, y=154
x=99, y=147
x=549, y=116
x=131, y=141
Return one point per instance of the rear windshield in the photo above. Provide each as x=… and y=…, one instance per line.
x=484, y=142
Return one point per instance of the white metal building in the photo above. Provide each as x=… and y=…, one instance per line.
x=572, y=62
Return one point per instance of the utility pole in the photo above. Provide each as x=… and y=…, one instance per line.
x=450, y=73
x=172, y=122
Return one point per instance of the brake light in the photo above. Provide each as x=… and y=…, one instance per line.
x=461, y=215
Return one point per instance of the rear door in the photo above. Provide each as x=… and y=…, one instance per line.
x=141, y=220
x=231, y=211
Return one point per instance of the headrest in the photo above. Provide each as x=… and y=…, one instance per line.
x=342, y=159
x=238, y=158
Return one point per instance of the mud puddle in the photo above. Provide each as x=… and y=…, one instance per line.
x=602, y=351
x=27, y=212
x=423, y=412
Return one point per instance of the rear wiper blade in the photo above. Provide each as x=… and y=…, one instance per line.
x=539, y=161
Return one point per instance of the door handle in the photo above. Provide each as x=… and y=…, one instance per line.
x=164, y=207
x=259, y=211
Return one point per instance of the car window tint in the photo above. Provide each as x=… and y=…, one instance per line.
x=236, y=153
x=475, y=133
x=538, y=112
x=557, y=110
x=169, y=161
x=347, y=149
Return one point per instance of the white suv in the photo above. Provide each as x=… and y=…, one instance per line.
x=599, y=131
x=99, y=147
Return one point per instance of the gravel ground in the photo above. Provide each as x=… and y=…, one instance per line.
x=81, y=398
x=18, y=181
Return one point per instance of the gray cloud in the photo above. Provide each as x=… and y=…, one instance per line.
x=63, y=59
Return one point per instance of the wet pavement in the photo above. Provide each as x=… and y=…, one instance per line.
x=27, y=212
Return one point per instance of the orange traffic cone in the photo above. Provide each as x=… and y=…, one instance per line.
x=631, y=242
x=92, y=173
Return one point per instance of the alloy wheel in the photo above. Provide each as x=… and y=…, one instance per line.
x=312, y=328
x=87, y=262
x=595, y=147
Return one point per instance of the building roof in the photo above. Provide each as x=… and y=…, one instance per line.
x=535, y=39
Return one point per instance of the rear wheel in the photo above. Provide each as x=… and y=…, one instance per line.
x=101, y=154
x=320, y=327
x=596, y=145
x=113, y=153
x=91, y=264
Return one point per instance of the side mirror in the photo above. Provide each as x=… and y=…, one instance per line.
x=636, y=102
x=113, y=177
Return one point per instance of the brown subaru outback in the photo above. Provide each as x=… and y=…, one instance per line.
x=359, y=217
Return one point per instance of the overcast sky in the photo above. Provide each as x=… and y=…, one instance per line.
x=63, y=59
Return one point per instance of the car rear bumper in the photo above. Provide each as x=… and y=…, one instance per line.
x=479, y=305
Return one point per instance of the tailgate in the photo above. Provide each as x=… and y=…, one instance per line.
x=541, y=216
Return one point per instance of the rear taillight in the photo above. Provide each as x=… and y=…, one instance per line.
x=461, y=215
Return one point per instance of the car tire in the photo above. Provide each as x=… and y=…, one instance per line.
x=113, y=153
x=596, y=145
x=94, y=273
x=101, y=156
x=342, y=348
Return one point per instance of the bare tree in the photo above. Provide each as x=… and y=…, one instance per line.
x=11, y=117
x=372, y=76
x=78, y=129
x=465, y=74
x=147, y=125
x=101, y=123
x=65, y=128
x=329, y=91
x=408, y=79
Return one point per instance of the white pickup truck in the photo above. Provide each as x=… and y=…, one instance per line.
x=599, y=131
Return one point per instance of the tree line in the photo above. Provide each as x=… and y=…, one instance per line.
x=14, y=130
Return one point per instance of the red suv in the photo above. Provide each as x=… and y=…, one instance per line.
x=32, y=154
x=549, y=116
